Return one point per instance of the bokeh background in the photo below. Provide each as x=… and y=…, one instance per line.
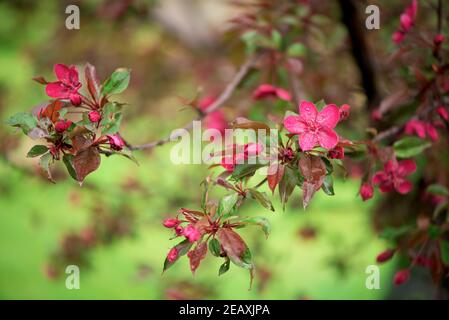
x=174, y=48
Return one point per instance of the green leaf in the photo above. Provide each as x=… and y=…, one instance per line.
x=444, y=248
x=117, y=82
x=215, y=247
x=410, y=146
x=227, y=205
x=262, y=198
x=328, y=185
x=244, y=170
x=276, y=38
x=296, y=50
x=224, y=267
x=182, y=247
x=24, y=120
x=45, y=163
x=260, y=221
x=37, y=150
x=67, y=159
x=438, y=189
x=112, y=125
x=392, y=234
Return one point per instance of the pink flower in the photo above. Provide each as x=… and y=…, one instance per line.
x=398, y=37
x=171, y=223
x=62, y=125
x=214, y=120
x=268, y=90
x=249, y=150
x=438, y=39
x=116, y=142
x=401, y=276
x=386, y=255
x=366, y=191
x=313, y=127
x=336, y=153
x=393, y=176
x=172, y=254
x=442, y=112
x=191, y=233
x=94, y=116
x=421, y=129
x=344, y=111
x=406, y=22
x=67, y=85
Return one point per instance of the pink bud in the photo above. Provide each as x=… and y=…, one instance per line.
x=442, y=112
x=438, y=39
x=94, y=116
x=385, y=256
x=172, y=254
x=336, y=153
x=432, y=132
x=398, y=37
x=179, y=230
x=344, y=111
x=116, y=142
x=171, y=223
x=401, y=276
x=406, y=22
x=366, y=191
x=62, y=125
x=191, y=233
x=75, y=99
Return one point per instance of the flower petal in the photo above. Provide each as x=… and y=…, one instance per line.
x=379, y=177
x=327, y=138
x=329, y=116
x=283, y=94
x=62, y=72
x=294, y=124
x=406, y=167
x=307, y=112
x=403, y=186
x=386, y=186
x=307, y=141
x=57, y=90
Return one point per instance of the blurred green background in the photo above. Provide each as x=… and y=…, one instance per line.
x=321, y=253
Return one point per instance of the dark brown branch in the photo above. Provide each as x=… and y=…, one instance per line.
x=355, y=27
x=218, y=103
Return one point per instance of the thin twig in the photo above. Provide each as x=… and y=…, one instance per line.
x=218, y=103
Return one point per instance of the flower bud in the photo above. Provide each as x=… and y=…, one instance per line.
x=385, y=256
x=442, y=112
x=75, y=99
x=172, y=254
x=171, y=223
x=366, y=191
x=191, y=233
x=344, y=111
x=94, y=116
x=116, y=142
x=438, y=39
x=179, y=230
x=336, y=153
x=401, y=276
x=62, y=125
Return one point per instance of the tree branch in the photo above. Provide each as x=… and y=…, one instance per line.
x=218, y=103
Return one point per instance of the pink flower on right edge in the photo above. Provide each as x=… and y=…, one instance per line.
x=313, y=127
x=393, y=176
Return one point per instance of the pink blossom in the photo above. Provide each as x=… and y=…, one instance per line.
x=393, y=176
x=172, y=254
x=313, y=127
x=421, y=129
x=438, y=39
x=171, y=223
x=398, y=37
x=191, y=233
x=62, y=125
x=215, y=119
x=268, y=90
x=116, y=142
x=366, y=191
x=67, y=85
x=401, y=276
x=442, y=112
x=406, y=22
x=94, y=116
x=432, y=132
x=344, y=111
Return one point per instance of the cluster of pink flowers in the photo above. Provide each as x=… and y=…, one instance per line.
x=249, y=150
x=407, y=20
x=269, y=91
x=393, y=176
x=67, y=85
x=190, y=232
x=421, y=129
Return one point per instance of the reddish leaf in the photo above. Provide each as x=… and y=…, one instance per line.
x=235, y=248
x=85, y=162
x=93, y=84
x=196, y=255
x=314, y=171
x=52, y=111
x=275, y=174
x=79, y=143
x=182, y=249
